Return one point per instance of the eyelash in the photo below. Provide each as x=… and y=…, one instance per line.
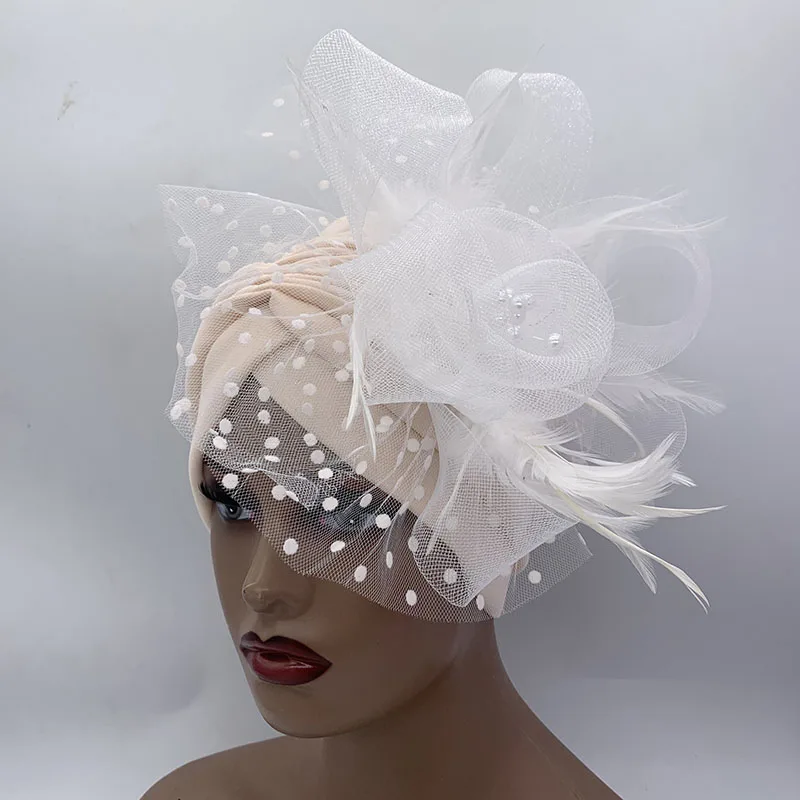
x=225, y=504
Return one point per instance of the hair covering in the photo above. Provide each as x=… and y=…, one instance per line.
x=423, y=398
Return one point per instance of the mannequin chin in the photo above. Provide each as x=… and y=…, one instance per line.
x=380, y=659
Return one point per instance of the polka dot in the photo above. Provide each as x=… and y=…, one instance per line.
x=366, y=500
x=278, y=211
x=234, y=251
x=185, y=241
x=205, y=312
x=411, y=597
x=450, y=576
x=413, y=544
x=245, y=338
x=400, y=159
x=294, y=155
x=279, y=492
x=299, y=362
x=256, y=312
x=265, y=230
x=225, y=426
x=534, y=576
x=389, y=559
x=290, y=547
x=179, y=408
x=307, y=409
x=325, y=474
x=324, y=185
x=224, y=267
x=337, y=546
x=309, y=345
x=412, y=445
x=383, y=521
x=232, y=226
x=533, y=210
x=217, y=209
x=179, y=350
x=230, y=481
x=361, y=467
x=230, y=389
x=277, y=277
x=278, y=102
x=263, y=394
x=220, y=442
x=309, y=390
x=317, y=457
x=311, y=440
x=264, y=417
x=360, y=573
x=202, y=202
x=387, y=422
x=480, y=602
x=191, y=360
x=272, y=443
x=346, y=320
x=342, y=375
x=267, y=134
x=172, y=204
x=324, y=221
x=272, y=459
x=279, y=368
x=330, y=504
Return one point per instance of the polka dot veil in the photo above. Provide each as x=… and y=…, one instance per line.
x=421, y=399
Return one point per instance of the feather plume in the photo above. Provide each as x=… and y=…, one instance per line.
x=482, y=144
x=614, y=499
x=360, y=390
x=656, y=387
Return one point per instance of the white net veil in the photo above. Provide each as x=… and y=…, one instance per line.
x=421, y=399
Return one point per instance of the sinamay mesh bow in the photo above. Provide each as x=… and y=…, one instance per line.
x=468, y=283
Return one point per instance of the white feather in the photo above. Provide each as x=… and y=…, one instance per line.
x=358, y=394
x=612, y=498
x=657, y=387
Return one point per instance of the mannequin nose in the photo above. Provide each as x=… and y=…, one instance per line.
x=273, y=588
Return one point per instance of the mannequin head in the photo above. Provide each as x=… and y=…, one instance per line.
x=380, y=659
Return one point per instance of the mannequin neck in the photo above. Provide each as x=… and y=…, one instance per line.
x=457, y=738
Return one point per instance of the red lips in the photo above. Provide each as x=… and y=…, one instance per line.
x=282, y=661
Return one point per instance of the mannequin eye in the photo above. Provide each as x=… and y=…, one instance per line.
x=230, y=511
x=227, y=508
x=354, y=514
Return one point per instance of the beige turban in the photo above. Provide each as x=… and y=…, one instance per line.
x=281, y=322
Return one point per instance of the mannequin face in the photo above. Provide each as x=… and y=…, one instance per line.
x=380, y=659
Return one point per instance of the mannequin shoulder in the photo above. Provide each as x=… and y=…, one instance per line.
x=273, y=768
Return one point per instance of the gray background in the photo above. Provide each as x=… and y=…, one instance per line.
x=114, y=663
